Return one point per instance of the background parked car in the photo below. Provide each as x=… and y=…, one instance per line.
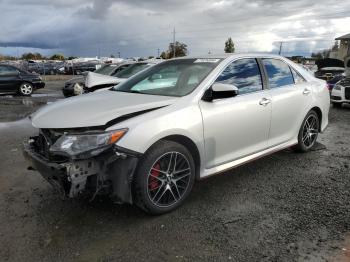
x=14, y=80
x=341, y=91
x=76, y=85
x=95, y=81
x=331, y=70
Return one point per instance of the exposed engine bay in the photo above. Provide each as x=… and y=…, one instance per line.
x=108, y=172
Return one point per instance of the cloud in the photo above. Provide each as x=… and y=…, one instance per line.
x=140, y=27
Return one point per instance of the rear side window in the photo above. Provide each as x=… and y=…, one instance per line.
x=298, y=79
x=244, y=74
x=278, y=72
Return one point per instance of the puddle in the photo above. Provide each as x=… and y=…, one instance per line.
x=14, y=108
x=53, y=94
x=46, y=95
x=22, y=123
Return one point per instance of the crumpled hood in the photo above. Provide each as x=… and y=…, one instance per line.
x=93, y=79
x=79, y=79
x=95, y=109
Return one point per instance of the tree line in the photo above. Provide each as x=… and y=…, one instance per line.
x=37, y=56
x=176, y=49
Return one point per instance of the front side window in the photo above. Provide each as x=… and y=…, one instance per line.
x=278, y=72
x=244, y=74
x=171, y=78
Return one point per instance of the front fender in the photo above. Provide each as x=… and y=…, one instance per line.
x=147, y=129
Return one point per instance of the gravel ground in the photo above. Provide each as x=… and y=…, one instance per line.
x=284, y=207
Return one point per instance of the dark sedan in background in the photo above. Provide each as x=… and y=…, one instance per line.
x=17, y=81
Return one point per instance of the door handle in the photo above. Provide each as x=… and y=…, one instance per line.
x=306, y=91
x=264, y=102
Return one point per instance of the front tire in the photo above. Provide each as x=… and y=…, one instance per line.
x=164, y=178
x=308, y=132
x=25, y=89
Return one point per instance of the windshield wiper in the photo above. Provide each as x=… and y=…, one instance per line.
x=129, y=91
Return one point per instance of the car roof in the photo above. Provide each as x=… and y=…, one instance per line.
x=229, y=55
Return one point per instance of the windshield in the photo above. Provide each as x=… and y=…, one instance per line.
x=171, y=78
x=106, y=69
x=131, y=70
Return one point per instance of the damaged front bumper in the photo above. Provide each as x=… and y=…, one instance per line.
x=109, y=173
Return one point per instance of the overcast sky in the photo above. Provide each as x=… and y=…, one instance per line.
x=140, y=27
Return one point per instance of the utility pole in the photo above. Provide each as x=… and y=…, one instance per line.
x=281, y=43
x=119, y=54
x=158, y=52
x=174, y=42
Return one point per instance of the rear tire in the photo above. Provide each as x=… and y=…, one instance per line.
x=25, y=89
x=337, y=105
x=164, y=178
x=308, y=132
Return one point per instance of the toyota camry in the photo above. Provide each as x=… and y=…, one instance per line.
x=149, y=139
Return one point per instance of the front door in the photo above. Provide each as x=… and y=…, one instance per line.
x=238, y=126
x=8, y=79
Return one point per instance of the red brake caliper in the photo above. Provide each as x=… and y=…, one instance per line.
x=153, y=181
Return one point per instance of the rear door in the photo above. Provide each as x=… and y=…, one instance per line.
x=9, y=78
x=290, y=96
x=238, y=126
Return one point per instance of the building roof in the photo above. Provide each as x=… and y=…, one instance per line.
x=344, y=37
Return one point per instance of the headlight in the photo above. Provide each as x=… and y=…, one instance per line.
x=337, y=87
x=93, y=143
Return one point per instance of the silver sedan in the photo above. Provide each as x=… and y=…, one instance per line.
x=147, y=140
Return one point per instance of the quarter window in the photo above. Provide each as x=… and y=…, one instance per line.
x=244, y=74
x=298, y=79
x=278, y=72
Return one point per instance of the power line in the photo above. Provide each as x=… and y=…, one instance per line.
x=174, y=45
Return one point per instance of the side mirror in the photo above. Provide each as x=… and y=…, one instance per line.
x=219, y=91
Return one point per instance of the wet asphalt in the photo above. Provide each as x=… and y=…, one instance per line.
x=284, y=207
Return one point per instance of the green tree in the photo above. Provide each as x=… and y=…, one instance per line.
x=229, y=46
x=32, y=56
x=180, y=50
x=321, y=54
x=164, y=55
x=57, y=57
